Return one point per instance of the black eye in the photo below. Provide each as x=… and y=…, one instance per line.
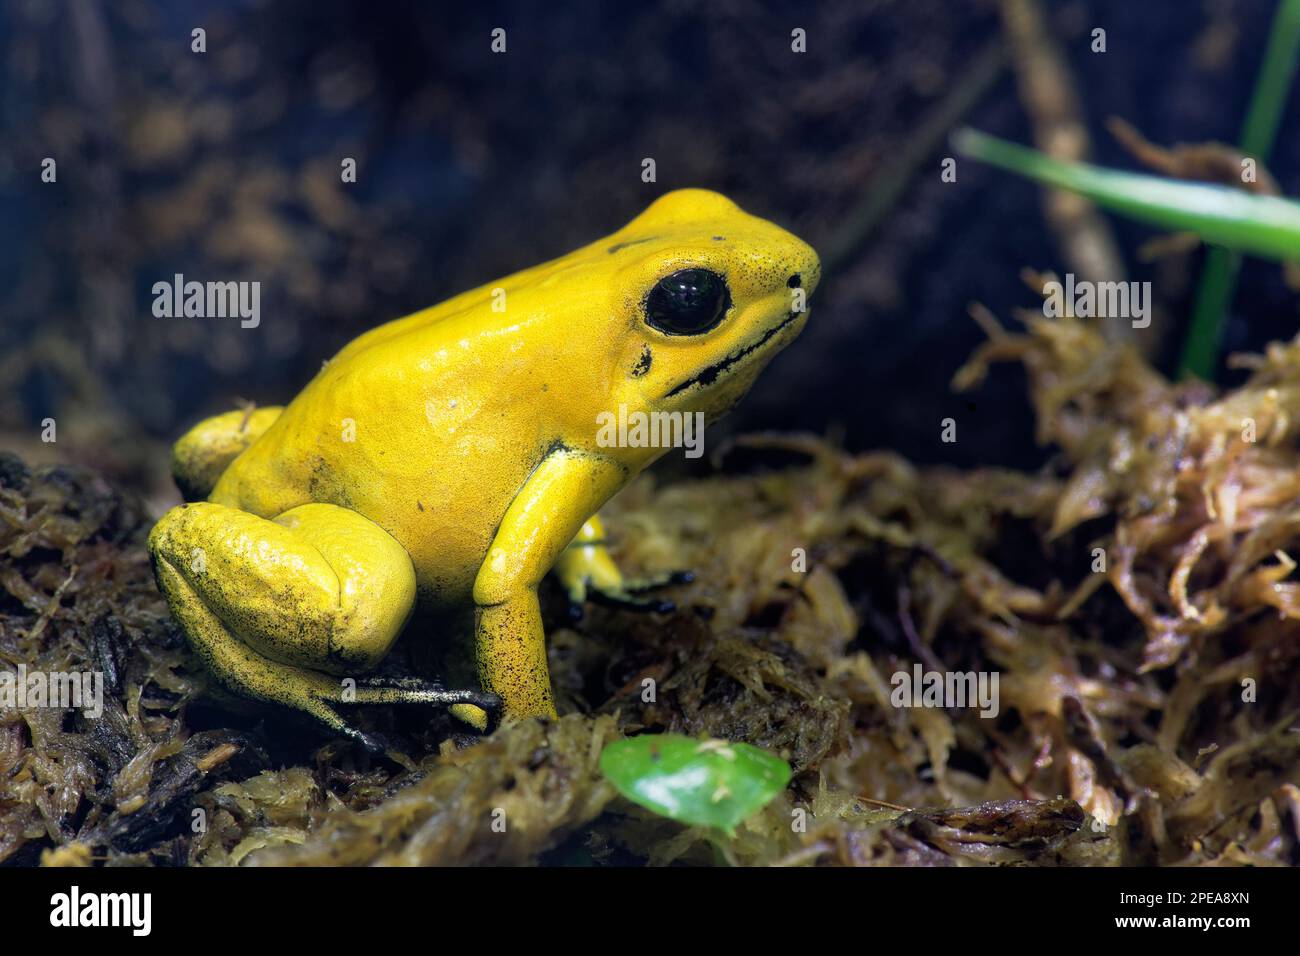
x=688, y=302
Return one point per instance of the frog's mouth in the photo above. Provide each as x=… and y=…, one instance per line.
x=710, y=375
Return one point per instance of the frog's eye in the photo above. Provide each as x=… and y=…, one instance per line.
x=688, y=302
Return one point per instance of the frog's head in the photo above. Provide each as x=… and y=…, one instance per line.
x=706, y=295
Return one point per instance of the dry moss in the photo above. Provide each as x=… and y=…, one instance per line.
x=1145, y=707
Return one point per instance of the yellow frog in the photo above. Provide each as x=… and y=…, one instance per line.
x=453, y=456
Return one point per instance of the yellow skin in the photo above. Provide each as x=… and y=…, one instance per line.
x=452, y=457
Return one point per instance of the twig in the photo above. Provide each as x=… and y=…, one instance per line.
x=889, y=186
x=1050, y=97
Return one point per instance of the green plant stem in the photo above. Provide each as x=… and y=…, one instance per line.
x=1219, y=279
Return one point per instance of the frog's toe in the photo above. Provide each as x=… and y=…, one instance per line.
x=575, y=611
x=373, y=743
x=627, y=601
x=485, y=703
x=475, y=716
x=317, y=706
x=413, y=690
x=628, y=595
x=655, y=582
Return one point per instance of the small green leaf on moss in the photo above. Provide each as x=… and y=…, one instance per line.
x=713, y=783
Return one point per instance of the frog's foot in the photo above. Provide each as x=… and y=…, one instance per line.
x=587, y=572
x=480, y=709
x=628, y=596
x=204, y=452
x=296, y=610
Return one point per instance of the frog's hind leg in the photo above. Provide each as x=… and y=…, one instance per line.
x=207, y=449
x=586, y=571
x=296, y=609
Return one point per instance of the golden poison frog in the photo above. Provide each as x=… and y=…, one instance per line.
x=451, y=457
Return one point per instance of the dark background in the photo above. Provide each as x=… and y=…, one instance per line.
x=225, y=165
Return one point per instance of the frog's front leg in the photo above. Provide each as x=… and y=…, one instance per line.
x=283, y=610
x=560, y=495
x=585, y=569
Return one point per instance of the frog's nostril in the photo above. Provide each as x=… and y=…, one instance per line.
x=794, y=281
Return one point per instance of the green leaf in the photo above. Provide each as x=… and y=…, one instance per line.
x=713, y=783
x=1266, y=226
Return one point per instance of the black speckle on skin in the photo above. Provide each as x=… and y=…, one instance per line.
x=419, y=505
x=643, y=363
x=719, y=238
